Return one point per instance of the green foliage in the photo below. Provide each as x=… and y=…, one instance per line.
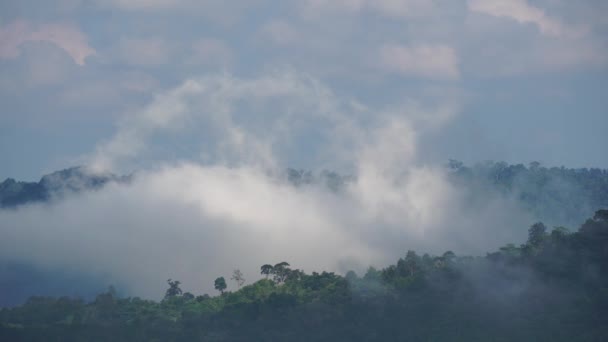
x=173, y=289
x=220, y=284
x=266, y=270
x=552, y=288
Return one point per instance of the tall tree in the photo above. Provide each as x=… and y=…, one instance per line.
x=173, y=289
x=281, y=271
x=220, y=284
x=536, y=234
x=266, y=270
x=237, y=276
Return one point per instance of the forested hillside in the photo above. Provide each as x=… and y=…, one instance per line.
x=554, y=195
x=15, y=193
x=553, y=287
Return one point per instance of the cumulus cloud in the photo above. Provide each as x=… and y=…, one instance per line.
x=431, y=61
x=198, y=219
x=522, y=12
x=65, y=36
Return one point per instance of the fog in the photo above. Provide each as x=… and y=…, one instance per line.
x=209, y=193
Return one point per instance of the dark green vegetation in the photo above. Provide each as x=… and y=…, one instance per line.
x=15, y=193
x=552, y=288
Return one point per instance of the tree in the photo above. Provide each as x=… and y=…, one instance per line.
x=282, y=264
x=237, y=276
x=449, y=256
x=536, y=234
x=559, y=234
x=534, y=165
x=372, y=274
x=601, y=215
x=173, y=289
x=280, y=271
x=266, y=270
x=351, y=276
x=220, y=284
x=411, y=262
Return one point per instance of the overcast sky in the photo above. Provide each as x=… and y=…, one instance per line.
x=514, y=80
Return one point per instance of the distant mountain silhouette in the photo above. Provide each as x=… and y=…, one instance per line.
x=553, y=195
x=15, y=193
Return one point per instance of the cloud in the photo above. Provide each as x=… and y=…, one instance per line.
x=224, y=13
x=429, y=61
x=522, y=12
x=65, y=36
x=231, y=134
x=195, y=220
x=186, y=222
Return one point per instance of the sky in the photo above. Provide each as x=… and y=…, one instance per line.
x=523, y=80
x=208, y=102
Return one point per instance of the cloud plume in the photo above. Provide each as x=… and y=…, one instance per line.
x=197, y=218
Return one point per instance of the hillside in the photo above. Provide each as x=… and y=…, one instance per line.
x=554, y=287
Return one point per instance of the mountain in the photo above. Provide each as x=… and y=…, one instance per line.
x=554, y=195
x=55, y=185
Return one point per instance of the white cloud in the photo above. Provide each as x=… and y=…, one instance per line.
x=522, y=12
x=186, y=222
x=67, y=37
x=195, y=221
x=429, y=61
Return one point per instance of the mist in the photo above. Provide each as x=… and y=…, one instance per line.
x=197, y=216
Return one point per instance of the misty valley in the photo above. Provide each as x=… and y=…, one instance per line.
x=304, y=170
x=551, y=286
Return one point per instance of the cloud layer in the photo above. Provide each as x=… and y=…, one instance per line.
x=194, y=220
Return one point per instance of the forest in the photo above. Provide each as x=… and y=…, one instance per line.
x=555, y=195
x=552, y=287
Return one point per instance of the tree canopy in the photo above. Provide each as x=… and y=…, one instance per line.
x=553, y=287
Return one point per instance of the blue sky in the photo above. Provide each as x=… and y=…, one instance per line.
x=522, y=80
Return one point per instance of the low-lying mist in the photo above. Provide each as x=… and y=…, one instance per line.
x=196, y=216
